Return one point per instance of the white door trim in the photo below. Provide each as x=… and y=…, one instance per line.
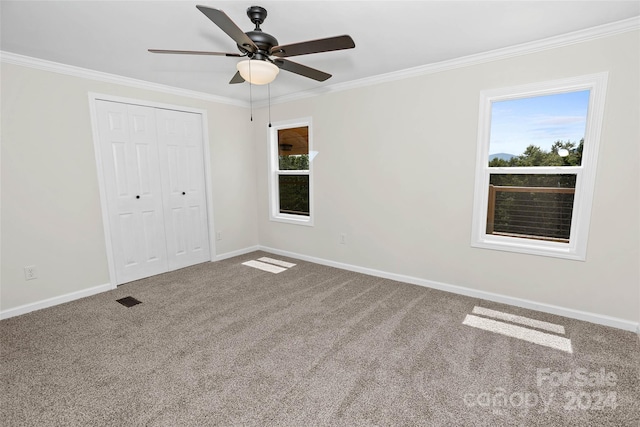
x=93, y=98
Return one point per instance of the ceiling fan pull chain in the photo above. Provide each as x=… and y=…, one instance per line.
x=250, y=93
x=269, y=90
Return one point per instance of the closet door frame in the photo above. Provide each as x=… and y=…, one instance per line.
x=95, y=97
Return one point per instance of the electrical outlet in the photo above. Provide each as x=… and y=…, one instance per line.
x=343, y=239
x=219, y=235
x=30, y=272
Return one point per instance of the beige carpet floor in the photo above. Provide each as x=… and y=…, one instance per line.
x=227, y=344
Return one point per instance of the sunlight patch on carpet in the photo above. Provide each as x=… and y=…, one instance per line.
x=276, y=262
x=271, y=265
x=538, y=324
x=519, y=332
x=264, y=266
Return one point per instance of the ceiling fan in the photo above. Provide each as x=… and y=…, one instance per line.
x=265, y=55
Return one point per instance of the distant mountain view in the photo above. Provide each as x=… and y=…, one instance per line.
x=503, y=156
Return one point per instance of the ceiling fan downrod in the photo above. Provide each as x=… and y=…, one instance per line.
x=257, y=15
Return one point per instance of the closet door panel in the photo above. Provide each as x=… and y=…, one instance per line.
x=178, y=234
x=126, y=228
x=198, y=237
x=129, y=152
x=155, y=244
x=182, y=164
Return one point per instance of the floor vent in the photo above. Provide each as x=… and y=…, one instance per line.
x=129, y=301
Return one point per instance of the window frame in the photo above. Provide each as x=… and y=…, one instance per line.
x=576, y=249
x=275, y=172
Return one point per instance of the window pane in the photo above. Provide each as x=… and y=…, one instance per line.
x=543, y=130
x=294, y=194
x=293, y=148
x=531, y=206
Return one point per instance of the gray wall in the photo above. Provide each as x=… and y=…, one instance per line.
x=395, y=172
x=51, y=215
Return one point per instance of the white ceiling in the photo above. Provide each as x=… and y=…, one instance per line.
x=113, y=36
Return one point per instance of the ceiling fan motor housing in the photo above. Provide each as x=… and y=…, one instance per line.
x=264, y=41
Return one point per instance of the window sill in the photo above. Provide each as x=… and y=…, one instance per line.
x=530, y=247
x=292, y=219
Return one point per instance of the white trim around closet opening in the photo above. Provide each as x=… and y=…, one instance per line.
x=93, y=98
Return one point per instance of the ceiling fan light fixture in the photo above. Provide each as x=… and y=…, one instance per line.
x=258, y=72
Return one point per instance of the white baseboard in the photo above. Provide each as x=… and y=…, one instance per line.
x=50, y=302
x=490, y=296
x=599, y=319
x=236, y=253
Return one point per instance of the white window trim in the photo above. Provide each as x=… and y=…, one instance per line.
x=274, y=196
x=576, y=249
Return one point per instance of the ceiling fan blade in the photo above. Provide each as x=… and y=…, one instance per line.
x=225, y=23
x=193, y=52
x=314, y=46
x=237, y=78
x=303, y=70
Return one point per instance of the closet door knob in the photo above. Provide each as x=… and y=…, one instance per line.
x=137, y=197
x=183, y=193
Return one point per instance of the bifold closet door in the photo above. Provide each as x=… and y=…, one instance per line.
x=131, y=169
x=180, y=142
x=153, y=170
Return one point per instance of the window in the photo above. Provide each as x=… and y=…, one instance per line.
x=290, y=177
x=536, y=162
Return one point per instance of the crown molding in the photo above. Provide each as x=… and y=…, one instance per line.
x=554, y=42
x=70, y=70
x=575, y=37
